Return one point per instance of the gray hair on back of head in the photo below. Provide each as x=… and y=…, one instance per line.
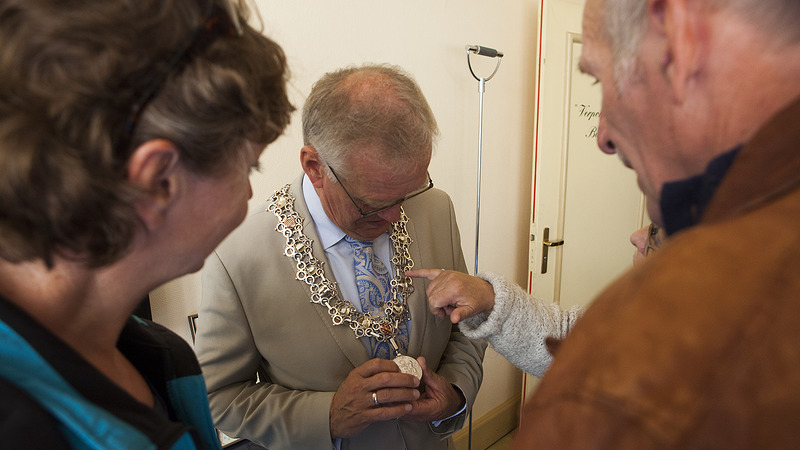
x=378, y=105
x=625, y=25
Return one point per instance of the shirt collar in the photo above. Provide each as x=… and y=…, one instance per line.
x=329, y=233
x=683, y=202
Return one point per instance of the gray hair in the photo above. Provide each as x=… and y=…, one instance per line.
x=625, y=26
x=378, y=105
x=778, y=17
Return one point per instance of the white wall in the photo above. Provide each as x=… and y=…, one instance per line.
x=427, y=38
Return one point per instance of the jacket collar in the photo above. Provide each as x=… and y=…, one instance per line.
x=766, y=167
x=683, y=202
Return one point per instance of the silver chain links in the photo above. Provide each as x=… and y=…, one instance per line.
x=324, y=292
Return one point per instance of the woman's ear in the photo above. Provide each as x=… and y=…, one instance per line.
x=312, y=165
x=153, y=168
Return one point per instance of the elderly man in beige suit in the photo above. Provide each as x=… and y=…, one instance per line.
x=294, y=353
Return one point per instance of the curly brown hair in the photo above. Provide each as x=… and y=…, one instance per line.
x=70, y=72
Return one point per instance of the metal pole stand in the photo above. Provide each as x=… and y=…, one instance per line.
x=490, y=53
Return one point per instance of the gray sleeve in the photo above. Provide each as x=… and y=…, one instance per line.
x=518, y=325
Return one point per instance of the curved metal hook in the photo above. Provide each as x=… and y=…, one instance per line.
x=497, y=66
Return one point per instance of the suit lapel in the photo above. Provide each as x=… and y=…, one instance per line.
x=417, y=301
x=344, y=337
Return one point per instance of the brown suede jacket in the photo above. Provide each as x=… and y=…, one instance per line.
x=700, y=346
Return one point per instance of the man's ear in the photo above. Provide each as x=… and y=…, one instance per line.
x=678, y=22
x=153, y=168
x=312, y=165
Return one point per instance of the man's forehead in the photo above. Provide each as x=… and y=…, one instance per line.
x=589, y=61
x=592, y=19
x=592, y=36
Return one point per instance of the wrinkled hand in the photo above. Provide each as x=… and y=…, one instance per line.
x=353, y=409
x=456, y=294
x=439, y=401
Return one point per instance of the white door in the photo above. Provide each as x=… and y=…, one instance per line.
x=581, y=196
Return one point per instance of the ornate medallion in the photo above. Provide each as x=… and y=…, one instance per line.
x=408, y=364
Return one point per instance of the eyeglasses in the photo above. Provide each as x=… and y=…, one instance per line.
x=382, y=208
x=653, y=239
x=219, y=21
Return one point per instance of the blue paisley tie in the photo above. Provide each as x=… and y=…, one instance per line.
x=372, y=279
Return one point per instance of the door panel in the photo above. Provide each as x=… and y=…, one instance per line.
x=602, y=204
x=581, y=196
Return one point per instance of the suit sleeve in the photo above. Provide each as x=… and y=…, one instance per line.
x=462, y=360
x=244, y=402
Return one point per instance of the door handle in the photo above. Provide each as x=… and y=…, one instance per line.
x=546, y=244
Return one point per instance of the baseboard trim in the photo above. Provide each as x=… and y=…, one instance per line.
x=490, y=427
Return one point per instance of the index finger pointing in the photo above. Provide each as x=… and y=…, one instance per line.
x=425, y=273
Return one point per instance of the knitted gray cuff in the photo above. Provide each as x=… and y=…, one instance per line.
x=480, y=326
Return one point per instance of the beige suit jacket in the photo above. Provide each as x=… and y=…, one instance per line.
x=255, y=317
